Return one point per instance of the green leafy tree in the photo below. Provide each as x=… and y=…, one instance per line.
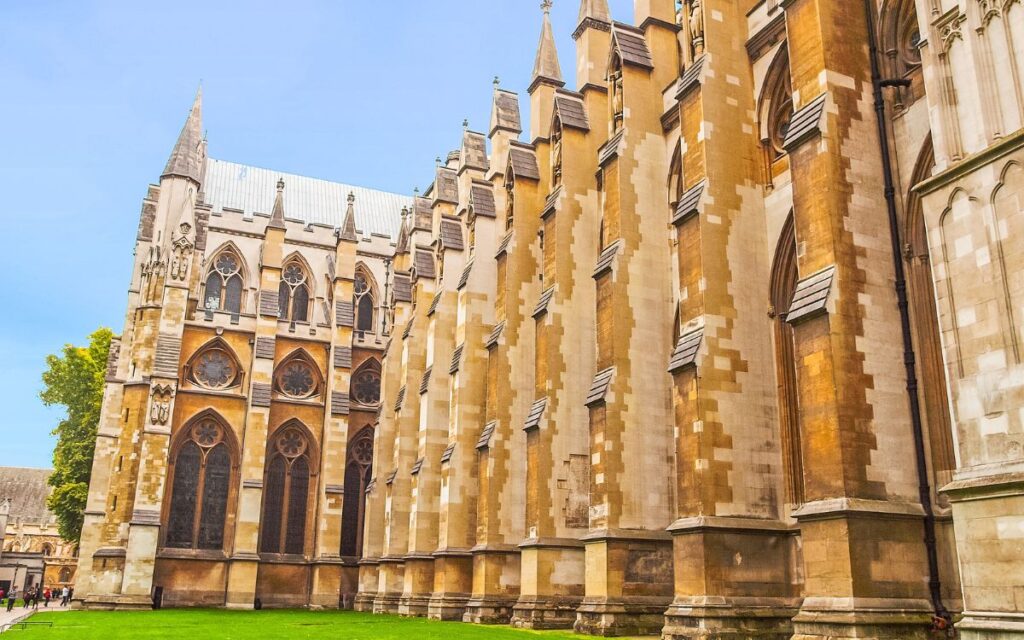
x=74, y=379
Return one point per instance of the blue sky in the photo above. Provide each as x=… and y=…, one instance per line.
x=95, y=93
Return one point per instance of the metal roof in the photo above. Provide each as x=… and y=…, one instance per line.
x=229, y=185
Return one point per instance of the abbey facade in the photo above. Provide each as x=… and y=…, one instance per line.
x=723, y=343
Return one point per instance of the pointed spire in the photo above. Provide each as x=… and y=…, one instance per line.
x=595, y=10
x=277, y=215
x=186, y=159
x=546, y=66
x=348, y=227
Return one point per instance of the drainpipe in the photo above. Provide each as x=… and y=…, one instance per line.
x=942, y=620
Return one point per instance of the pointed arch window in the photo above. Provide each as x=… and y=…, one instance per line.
x=214, y=367
x=287, y=492
x=293, y=293
x=363, y=300
x=201, y=480
x=366, y=384
x=900, y=36
x=224, y=286
x=676, y=185
x=784, y=277
x=298, y=377
x=358, y=471
x=776, y=105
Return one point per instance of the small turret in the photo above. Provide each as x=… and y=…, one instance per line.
x=592, y=36
x=348, y=227
x=546, y=66
x=547, y=76
x=277, y=215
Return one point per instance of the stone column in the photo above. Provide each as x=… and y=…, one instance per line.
x=861, y=525
x=734, y=555
x=244, y=560
x=330, y=578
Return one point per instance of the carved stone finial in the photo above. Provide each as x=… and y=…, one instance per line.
x=497, y=82
x=280, y=184
x=546, y=6
x=405, y=213
x=437, y=161
x=351, y=197
x=465, y=123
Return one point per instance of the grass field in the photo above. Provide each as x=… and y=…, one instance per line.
x=200, y=624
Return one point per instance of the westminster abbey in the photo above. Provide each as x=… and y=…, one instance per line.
x=724, y=341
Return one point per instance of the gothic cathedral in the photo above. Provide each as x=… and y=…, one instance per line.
x=725, y=342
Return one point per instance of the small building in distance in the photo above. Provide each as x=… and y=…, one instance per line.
x=31, y=550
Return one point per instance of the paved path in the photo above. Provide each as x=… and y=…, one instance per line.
x=18, y=613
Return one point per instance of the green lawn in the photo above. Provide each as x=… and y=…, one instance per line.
x=200, y=624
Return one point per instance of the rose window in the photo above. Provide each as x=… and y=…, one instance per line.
x=207, y=433
x=366, y=387
x=297, y=380
x=227, y=264
x=362, y=451
x=215, y=370
x=291, y=444
x=294, y=275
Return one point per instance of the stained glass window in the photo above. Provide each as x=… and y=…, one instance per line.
x=183, y=497
x=358, y=472
x=199, y=491
x=215, y=369
x=286, y=494
x=300, y=304
x=273, y=500
x=298, y=492
x=224, y=283
x=297, y=380
x=293, y=293
x=215, y=498
x=366, y=386
x=363, y=301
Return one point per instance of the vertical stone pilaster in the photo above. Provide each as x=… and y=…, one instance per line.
x=244, y=568
x=854, y=415
x=333, y=581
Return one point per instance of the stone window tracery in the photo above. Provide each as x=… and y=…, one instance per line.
x=363, y=301
x=214, y=367
x=286, y=493
x=358, y=473
x=297, y=378
x=293, y=292
x=900, y=37
x=776, y=106
x=366, y=384
x=201, y=480
x=224, y=284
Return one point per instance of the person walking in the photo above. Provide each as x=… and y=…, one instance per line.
x=10, y=601
x=64, y=593
x=46, y=597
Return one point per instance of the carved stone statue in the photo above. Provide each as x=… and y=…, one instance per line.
x=182, y=253
x=696, y=27
x=556, y=155
x=160, y=407
x=510, y=203
x=618, y=107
